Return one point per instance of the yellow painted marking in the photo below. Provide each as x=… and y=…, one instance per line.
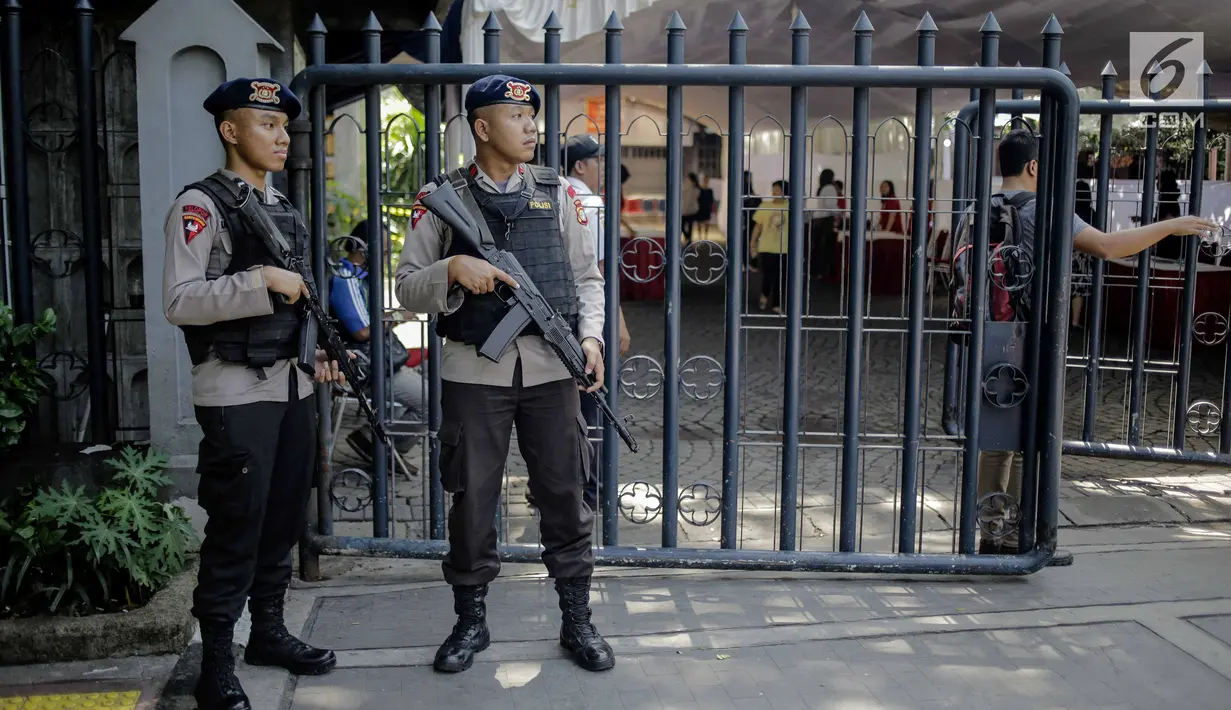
x=118, y=700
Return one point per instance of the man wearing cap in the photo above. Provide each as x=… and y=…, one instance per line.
x=534, y=214
x=581, y=161
x=242, y=326
x=348, y=302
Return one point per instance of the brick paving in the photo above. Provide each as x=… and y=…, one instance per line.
x=702, y=348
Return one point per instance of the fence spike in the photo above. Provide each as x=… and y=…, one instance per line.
x=1108, y=70
x=927, y=24
x=372, y=25
x=318, y=25
x=1052, y=27
x=83, y=5
x=493, y=23
x=12, y=5
x=1018, y=65
x=431, y=24
x=553, y=22
x=863, y=24
x=800, y=23
x=676, y=23
x=737, y=23
x=613, y=23
x=1064, y=69
x=1204, y=70
x=990, y=25
x=1155, y=69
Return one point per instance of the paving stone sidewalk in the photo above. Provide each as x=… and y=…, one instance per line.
x=1142, y=621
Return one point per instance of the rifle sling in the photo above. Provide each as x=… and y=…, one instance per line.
x=463, y=181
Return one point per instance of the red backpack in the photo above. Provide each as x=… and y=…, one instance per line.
x=1010, y=264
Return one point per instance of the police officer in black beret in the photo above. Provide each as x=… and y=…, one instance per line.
x=242, y=326
x=533, y=213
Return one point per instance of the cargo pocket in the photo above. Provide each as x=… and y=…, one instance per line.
x=585, y=450
x=228, y=484
x=452, y=458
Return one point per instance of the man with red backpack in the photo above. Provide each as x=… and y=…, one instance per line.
x=1011, y=251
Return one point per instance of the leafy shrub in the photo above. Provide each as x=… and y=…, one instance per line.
x=21, y=382
x=66, y=552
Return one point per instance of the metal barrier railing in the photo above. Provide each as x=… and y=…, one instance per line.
x=1060, y=124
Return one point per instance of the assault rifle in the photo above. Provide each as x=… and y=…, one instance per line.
x=315, y=320
x=526, y=304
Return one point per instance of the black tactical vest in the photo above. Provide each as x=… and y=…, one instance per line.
x=262, y=340
x=526, y=224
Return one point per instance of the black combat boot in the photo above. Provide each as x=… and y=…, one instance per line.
x=577, y=635
x=217, y=687
x=270, y=644
x=470, y=634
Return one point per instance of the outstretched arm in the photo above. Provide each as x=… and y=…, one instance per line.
x=1127, y=242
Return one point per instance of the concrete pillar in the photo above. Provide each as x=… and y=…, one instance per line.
x=184, y=49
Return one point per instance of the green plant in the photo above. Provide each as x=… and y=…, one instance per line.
x=67, y=552
x=344, y=210
x=21, y=381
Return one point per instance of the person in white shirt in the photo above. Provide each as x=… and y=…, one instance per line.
x=581, y=161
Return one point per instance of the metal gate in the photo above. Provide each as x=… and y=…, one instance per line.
x=1187, y=413
x=843, y=324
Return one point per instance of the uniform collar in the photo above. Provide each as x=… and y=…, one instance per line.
x=270, y=195
x=487, y=183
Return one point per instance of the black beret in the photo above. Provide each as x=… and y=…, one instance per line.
x=578, y=148
x=265, y=94
x=501, y=89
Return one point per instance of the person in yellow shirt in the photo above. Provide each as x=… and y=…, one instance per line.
x=769, y=242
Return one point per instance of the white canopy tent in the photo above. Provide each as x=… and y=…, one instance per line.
x=1096, y=31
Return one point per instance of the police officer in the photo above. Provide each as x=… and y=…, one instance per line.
x=581, y=163
x=531, y=212
x=241, y=323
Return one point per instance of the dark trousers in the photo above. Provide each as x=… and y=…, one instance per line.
x=594, y=420
x=824, y=246
x=474, y=438
x=256, y=465
x=772, y=276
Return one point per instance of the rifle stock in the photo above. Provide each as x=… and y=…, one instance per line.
x=526, y=304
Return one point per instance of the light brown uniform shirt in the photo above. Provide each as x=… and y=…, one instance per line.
x=423, y=287
x=196, y=292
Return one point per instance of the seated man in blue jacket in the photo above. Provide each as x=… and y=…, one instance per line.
x=348, y=302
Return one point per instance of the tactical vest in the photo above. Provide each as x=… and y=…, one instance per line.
x=259, y=341
x=527, y=225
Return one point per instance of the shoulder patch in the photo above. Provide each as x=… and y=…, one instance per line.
x=194, y=219
x=581, y=213
x=416, y=214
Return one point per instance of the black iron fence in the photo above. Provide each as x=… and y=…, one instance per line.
x=1186, y=429
x=851, y=423
x=71, y=237
x=808, y=324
